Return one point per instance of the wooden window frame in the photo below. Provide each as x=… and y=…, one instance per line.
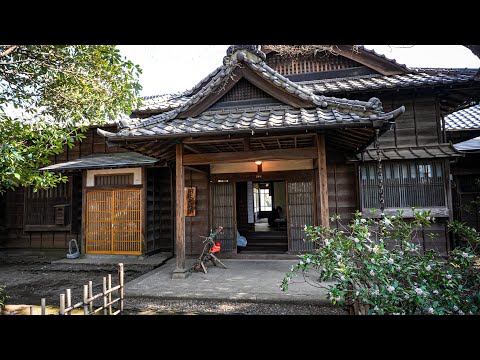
x=436, y=211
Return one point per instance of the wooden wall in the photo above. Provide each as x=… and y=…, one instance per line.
x=198, y=225
x=92, y=144
x=342, y=186
x=13, y=235
x=420, y=123
x=159, y=216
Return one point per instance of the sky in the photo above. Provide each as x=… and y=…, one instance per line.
x=174, y=68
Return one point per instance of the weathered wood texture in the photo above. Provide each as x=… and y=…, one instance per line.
x=159, y=231
x=323, y=181
x=12, y=225
x=419, y=124
x=197, y=225
x=342, y=188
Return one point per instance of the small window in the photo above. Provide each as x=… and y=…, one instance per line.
x=114, y=180
x=48, y=208
x=412, y=184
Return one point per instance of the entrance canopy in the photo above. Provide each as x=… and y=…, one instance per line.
x=243, y=104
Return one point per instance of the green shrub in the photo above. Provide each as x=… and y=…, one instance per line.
x=379, y=263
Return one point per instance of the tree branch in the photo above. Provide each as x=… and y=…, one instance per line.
x=8, y=51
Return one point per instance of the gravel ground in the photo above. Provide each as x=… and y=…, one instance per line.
x=140, y=306
x=29, y=278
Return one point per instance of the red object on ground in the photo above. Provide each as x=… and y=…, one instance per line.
x=215, y=248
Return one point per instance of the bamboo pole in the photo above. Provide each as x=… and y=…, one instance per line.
x=85, y=300
x=90, y=295
x=109, y=294
x=44, y=305
x=104, y=296
x=69, y=301
x=120, y=282
x=62, y=304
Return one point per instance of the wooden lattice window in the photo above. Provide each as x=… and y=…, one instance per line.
x=406, y=184
x=48, y=209
x=114, y=180
x=309, y=64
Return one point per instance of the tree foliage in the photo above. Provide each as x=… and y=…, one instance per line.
x=49, y=94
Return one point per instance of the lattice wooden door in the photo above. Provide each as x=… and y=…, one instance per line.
x=223, y=214
x=300, y=213
x=114, y=222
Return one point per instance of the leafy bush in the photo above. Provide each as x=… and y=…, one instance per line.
x=379, y=263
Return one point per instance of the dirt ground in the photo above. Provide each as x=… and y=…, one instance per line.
x=30, y=278
x=27, y=279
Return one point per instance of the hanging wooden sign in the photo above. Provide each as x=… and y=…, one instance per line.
x=190, y=200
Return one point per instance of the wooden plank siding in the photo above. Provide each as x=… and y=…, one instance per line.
x=198, y=225
x=13, y=234
x=418, y=126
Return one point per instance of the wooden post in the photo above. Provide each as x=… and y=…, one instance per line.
x=109, y=287
x=105, y=311
x=31, y=309
x=323, y=180
x=83, y=233
x=44, y=310
x=69, y=301
x=85, y=299
x=180, y=272
x=62, y=304
x=120, y=282
x=90, y=295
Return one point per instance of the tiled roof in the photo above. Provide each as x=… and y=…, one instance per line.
x=327, y=108
x=469, y=145
x=371, y=51
x=252, y=119
x=466, y=119
x=420, y=77
x=408, y=153
x=97, y=161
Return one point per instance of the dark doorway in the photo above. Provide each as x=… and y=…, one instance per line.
x=261, y=217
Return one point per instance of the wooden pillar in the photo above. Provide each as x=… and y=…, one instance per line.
x=180, y=272
x=322, y=180
x=83, y=230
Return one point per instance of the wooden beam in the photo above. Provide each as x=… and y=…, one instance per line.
x=280, y=154
x=180, y=271
x=241, y=137
x=196, y=170
x=192, y=149
x=323, y=180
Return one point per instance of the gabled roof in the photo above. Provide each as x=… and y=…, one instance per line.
x=253, y=119
x=357, y=53
x=466, y=119
x=190, y=116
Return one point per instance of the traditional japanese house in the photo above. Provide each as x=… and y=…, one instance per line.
x=290, y=133
x=463, y=129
